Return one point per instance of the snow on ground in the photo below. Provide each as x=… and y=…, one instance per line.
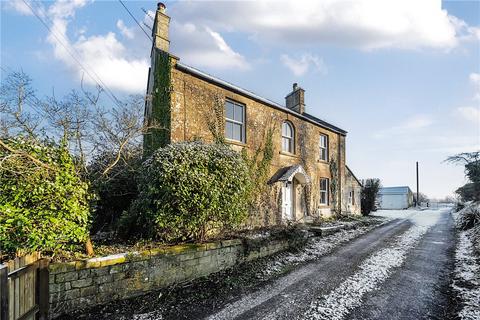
x=374, y=270
x=315, y=248
x=467, y=278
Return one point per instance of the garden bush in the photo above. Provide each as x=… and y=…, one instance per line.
x=115, y=191
x=189, y=191
x=43, y=202
x=368, y=196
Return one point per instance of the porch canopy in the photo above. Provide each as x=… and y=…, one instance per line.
x=287, y=174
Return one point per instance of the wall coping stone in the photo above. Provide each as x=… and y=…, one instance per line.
x=110, y=260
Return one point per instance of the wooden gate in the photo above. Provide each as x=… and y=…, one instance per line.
x=24, y=288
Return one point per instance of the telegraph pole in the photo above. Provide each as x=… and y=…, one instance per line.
x=418, y=199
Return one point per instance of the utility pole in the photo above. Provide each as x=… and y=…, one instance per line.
x=418, y=199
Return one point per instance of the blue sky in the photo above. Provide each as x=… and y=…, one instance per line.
x=402, y=77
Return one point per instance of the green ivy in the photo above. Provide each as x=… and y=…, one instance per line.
x=334, y=185
x=43, y=202
x=258, y=165
x=158, y=134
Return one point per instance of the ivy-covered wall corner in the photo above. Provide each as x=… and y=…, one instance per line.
x=158, y=116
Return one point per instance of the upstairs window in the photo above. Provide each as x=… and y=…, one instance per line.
x=323, y=147
x=324, y=191
x=288, y=140
x=234, y=121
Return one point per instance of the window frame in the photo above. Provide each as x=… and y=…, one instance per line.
x=326, y=192
x=243, y=137
x=324, y=148
x=351, y=197
x=290, y=139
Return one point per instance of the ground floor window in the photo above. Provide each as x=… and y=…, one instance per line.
x=324, y=191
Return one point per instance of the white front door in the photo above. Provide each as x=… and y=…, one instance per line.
x=287, y=196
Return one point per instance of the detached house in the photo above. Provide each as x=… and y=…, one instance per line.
x=307, y=174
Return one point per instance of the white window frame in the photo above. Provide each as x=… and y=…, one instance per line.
x=325, y=192
x=323, y=148
x=229, y=120
x=288, y=140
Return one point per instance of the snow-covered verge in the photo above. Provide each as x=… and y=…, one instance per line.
x=467, y=262
x=467, y=277
x=469, y=218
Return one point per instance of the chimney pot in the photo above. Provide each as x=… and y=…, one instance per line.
x=161, y=6
x=295, y=86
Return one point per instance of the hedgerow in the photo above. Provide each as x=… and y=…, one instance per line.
x=43, y=202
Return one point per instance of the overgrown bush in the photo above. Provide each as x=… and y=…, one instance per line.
x=189, y=191
x=43, y=202
x=468, y=217
x=369, y=194
x=115, y=191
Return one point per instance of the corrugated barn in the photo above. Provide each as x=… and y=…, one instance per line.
x=395, y=198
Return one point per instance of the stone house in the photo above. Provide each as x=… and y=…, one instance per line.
x=306, y=175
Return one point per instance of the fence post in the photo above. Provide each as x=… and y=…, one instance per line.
x=42, y=289
x=4, y=292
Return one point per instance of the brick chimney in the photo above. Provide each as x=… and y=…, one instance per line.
x=295, y=100
x=160, y=29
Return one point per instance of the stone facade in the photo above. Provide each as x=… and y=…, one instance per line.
x=85, y=283
x=196, y=107
x=353, y=189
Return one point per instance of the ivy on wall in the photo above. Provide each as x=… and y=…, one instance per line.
x=216, y=123
x=159, y=119
x=334, y=186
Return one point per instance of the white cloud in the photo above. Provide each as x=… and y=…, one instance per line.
x=204, y=47
x=413, y=124
x=300, y=66
x=475, y=80
x=104, y=56
x=364, y=24
x=127, y=32
x=470, y=114
x=20, y=7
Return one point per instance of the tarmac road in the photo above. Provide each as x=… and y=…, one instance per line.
x=401, y=270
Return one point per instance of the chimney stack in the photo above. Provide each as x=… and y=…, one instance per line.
x=296, y=99
x=160, y=28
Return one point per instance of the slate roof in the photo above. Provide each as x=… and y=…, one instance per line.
x=227, y=85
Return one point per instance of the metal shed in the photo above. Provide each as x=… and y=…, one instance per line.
x=395, y=198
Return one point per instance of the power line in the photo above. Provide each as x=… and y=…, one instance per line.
x=103, y=86
x=136, y=21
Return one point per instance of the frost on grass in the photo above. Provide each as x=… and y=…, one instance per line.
x=372, y=272
x=467, y=278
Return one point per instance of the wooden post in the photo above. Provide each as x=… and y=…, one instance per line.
x=4, y=292
x=42, y=289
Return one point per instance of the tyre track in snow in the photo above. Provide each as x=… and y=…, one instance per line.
x=292, y=294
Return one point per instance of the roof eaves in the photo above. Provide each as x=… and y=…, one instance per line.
x=249, y=94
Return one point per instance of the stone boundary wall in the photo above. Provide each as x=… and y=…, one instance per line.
x=85, y=283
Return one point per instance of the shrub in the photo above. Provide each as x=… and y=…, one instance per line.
x=115, y=191
x=43, y=202
x=369, y=195
x=189, y=191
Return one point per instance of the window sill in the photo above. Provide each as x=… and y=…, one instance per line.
x=322, y=161
x=289, y=154
x=235, y=142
